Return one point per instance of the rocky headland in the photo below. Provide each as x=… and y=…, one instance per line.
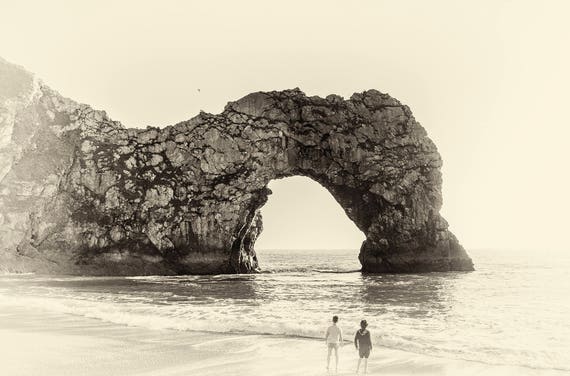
x=81, y=194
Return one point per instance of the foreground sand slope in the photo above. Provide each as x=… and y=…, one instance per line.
x=40, y=343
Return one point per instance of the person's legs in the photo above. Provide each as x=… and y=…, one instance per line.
x=358, y=365
x=329, y=348
x=366, y=355
x=363, y=353
x=336, y=358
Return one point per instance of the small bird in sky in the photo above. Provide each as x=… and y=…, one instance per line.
x=198, y=90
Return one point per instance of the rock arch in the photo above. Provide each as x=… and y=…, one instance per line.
x=103, y=199
x=375, y=160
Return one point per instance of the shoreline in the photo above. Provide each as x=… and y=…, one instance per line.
x=49, y=343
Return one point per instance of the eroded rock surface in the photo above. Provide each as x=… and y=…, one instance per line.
x=79, y=193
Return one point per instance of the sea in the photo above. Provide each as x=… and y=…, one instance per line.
x=513, y=310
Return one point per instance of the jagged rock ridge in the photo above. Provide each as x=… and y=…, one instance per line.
x=81, y=194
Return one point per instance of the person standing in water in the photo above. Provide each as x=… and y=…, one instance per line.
x=333, y=339
x=363, y=344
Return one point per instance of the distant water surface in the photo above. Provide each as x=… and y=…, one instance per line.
x=514, y=310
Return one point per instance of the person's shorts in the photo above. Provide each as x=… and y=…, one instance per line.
x=333, y=346
x=364, y=352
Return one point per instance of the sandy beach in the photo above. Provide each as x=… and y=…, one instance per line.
x=41, y=343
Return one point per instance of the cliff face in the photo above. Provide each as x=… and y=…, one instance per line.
x=79, y=193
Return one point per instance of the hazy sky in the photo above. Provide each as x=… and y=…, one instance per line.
x=489, y=80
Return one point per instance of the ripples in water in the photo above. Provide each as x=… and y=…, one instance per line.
x=513, y=310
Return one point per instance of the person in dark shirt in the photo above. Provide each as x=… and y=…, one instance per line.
x=363, y=344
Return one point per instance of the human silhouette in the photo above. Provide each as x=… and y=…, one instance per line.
x=333, y=340
x=363, y=344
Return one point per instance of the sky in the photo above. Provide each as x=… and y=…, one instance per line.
x=489, y=80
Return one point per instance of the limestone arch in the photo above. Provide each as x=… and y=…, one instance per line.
x=375, y=160
x=185, y=199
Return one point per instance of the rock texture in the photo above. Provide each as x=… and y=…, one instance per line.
x=79, y=193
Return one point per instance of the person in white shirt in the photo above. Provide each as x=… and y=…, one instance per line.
x=333, y=339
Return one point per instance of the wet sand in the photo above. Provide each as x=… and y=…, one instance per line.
x=33, y=342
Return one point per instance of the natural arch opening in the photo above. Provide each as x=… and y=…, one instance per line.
x=302, y=215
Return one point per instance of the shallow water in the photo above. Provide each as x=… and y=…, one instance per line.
x=513, y=310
